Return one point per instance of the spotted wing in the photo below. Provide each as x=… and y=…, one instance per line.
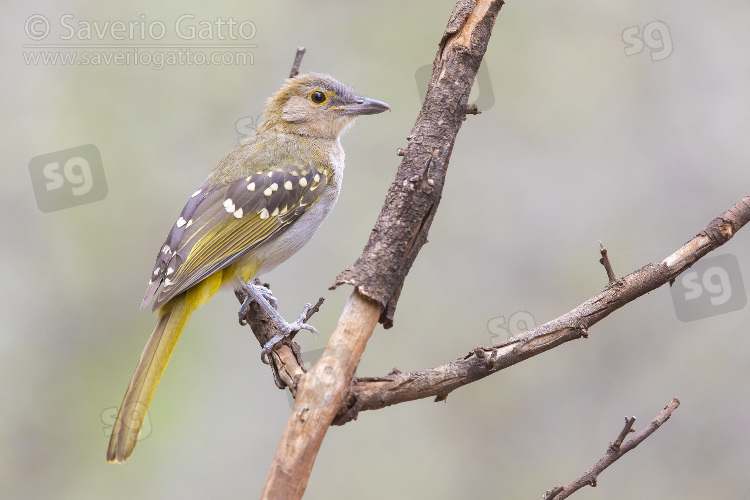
x=220, y=224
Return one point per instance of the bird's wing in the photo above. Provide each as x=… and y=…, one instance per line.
x=221, y=223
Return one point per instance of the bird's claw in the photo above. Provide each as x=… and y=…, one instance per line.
x=267, y=294
x=300, y=323
x=242, y=313
x=288, y=330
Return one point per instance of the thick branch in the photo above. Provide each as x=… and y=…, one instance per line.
x=379, y=273
x=374, y=393
x=413, y=198
x=319, y=395
x=614, y=452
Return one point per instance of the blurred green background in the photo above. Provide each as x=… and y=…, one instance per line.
x=582, y=143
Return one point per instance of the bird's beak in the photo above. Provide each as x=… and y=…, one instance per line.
x=365, y=106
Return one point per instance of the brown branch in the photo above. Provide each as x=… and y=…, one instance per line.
x=378, y=275
x=373, y=393
x=297, y=61
x=614, y=452
x=404, y=221
x=319, y=396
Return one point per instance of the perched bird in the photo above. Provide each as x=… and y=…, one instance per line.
x=259, y=206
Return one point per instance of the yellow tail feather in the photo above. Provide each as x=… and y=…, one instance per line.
x=172, y=320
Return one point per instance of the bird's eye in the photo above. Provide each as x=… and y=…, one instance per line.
x=318, y=97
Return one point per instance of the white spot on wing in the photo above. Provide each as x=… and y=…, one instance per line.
x=302, y=181
x=196, y=193
x=275, y=212
x=264, y=213
x=238, y=213
x=229, y=205
x=251, y=186
x=170, y=271
x=288, y=185
x=268, y=191
x=180, y=222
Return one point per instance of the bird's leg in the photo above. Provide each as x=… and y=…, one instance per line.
x=265, y=299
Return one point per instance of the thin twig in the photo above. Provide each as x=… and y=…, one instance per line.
x=629, y=423
x=314, y=308
x=614, y=452
x=607, y=265
x=297, y=61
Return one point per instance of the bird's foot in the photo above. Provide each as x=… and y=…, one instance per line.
x=287, y=330
x=265, y=299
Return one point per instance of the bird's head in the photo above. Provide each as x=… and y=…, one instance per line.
x=316, y=105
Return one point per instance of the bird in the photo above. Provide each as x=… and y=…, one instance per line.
x=256, y=208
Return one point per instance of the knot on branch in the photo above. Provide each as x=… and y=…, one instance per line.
x=719, y=230
x=472, y=109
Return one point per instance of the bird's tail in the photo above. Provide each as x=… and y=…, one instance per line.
x=172, y=320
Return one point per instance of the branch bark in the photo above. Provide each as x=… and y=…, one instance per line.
x=397, y=237
x=614, y=452
x=411, y=202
